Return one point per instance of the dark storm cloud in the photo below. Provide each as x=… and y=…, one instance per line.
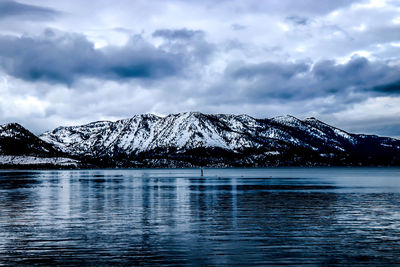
x=183, y=34
x=264, y=59
x=300, y=81
x=10, y=8
x=357, y=74
x=282, y=70
x=190, y=43
x=390, y=88
x=298, y=20
x=63, y=58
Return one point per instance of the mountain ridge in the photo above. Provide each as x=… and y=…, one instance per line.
x=198, y=139
x=20, y=148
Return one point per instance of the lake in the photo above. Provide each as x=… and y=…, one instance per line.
x=300, y=216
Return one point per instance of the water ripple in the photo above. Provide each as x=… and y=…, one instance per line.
x=175, y=217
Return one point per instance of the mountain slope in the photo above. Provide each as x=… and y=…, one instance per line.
x=21, y=148
x=194, y=139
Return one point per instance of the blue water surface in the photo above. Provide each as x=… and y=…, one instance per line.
x=299, y=216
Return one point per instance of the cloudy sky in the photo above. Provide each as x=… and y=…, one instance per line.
x=77, y=61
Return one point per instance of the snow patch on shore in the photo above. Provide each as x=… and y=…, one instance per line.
x=32, y=160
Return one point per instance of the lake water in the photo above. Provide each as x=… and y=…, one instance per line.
x=316, y=216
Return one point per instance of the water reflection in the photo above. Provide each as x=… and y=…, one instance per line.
x=175, y=217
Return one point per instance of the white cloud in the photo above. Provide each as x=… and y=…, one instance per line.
x=283, y=31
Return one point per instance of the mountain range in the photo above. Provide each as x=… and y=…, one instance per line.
x=194, y=139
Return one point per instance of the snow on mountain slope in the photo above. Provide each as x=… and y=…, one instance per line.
x=147, y=132
x=20, y=147
x=18, y=132
x=181, y=131
x=325, y=128
x=30, y=160
x=15, y=139
x=184, y=132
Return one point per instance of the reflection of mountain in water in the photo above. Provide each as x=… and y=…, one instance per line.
x=129, y=217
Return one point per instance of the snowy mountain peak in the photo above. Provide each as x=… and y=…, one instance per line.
x=16, y=140
x=311, y=119
x=14, y=130
x=188, y=134
x=11, y=126
x=287, y=119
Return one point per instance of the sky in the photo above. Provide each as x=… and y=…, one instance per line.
x=77, y=61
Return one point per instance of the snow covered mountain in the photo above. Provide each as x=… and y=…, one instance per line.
x=20, y=148
x=197, y=139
